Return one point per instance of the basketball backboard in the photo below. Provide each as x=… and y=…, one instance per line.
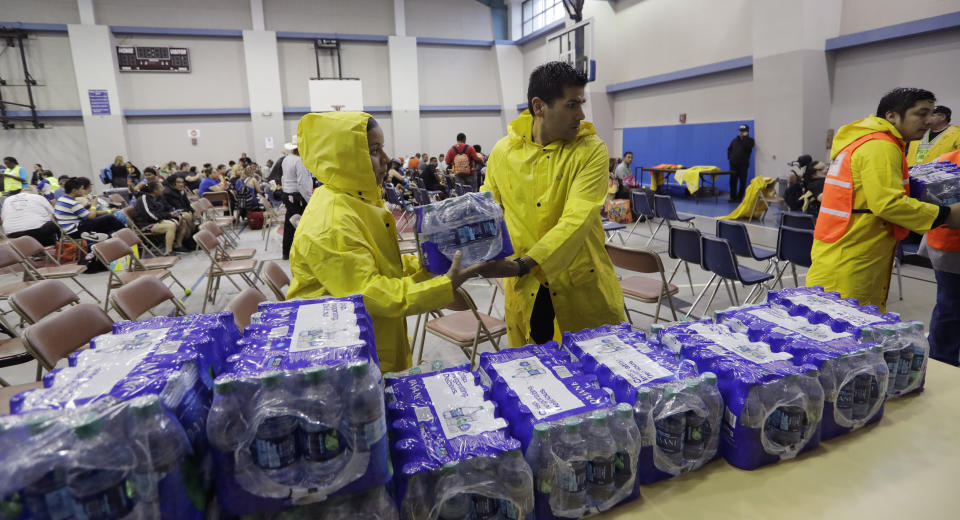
x=334, y=95
x=574, y=45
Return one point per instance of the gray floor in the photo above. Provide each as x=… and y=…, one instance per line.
x=917, y=301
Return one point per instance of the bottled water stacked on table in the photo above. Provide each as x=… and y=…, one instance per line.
x=298, y=417
x=905, y=347
x=938, y=182
x=677, y=410
x=581, y=447
x=472, y=223
x=454, y=457
x=853, y=375
x=119, y=434
x=773, y=407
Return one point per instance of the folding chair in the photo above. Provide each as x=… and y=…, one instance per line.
x=55, y=337
x=143, y=295
x=664, y=208
x=420, y=196
x=42, y=299
x=27, y=247
x=767, y=200
x=391, y=196
x=246, y=269
x=793, y=248
x=117, y=199
x=228, y=254
x=736, y=233
x=154, y=263
x=464, y=328
x=220, y=200
x=10, y=258
x=797, y=220
x=205, y=212
x=640, y=204
x=612, y=229
x=718, y=258
x=114, y=249
x=271, y=215
x=148, y=244
x=642, y=288
x=276, y=279
x=684, y=247
x=244, y=305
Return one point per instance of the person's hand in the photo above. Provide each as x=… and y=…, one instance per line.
x=456, y=275
x=953, y=220
x=500, y=268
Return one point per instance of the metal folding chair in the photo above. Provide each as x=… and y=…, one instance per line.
x=793, y=248
x=718, y=258
x=736, y=233
x=245, y=269
x=642, y=288
x=664, y=208
x=114, y=249
x=27, y=248
x=464, y=328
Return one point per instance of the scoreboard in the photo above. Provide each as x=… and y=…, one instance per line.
x=153, y=59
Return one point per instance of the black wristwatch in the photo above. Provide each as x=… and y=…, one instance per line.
x=524, y=268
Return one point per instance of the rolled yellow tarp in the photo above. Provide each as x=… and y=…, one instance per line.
x=691, y=176
x=746, y=209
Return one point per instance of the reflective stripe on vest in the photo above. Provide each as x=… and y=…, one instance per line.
x=836, y=208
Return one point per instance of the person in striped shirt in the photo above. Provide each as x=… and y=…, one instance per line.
x=79, y=221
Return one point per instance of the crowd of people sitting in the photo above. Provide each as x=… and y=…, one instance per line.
x=461, y=164
x=46, y=207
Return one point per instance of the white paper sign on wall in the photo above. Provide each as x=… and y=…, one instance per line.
x=268, y=143
x=332, y=95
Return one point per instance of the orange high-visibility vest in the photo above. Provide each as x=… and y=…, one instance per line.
x=836, y=208
x=942, y=238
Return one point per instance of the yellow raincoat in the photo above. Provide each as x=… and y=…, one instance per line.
x=691, y=176
x=750, y=207
x=346, y=242
x=859, y=264
x=946, y=142
x=551, y=197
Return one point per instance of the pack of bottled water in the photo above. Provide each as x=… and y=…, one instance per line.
x=937, y=182
x=472, y=223
x=773, y=407
x=454, y=457
x=298, y=416
x=119, y=434
x=854, y=376
x=580, y=446
x=905, y=347
x=677, y=410
x=371, y=504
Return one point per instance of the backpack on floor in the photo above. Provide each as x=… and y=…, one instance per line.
x=255, y=219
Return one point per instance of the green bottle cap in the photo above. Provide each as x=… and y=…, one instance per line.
x=359, y=369
x=90, y=427
x=709, y=378
x=541, y=430
x=225, y=385
x=571, y=425
x=624, y=411
x=315, y=375
x=599, y=418
x=271, y=379
x=145, y=406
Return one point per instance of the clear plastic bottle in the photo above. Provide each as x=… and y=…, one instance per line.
x=458, y=505
x=47, y=497
x=375, y=504
x=670, y=429
x=364, y=407
x=844, y=403
x=570, y=494
x=601, y=457
x=226, y=425
x=697, y=428
x=914, y=331
x=891, y=354
x=626, y=435
x=541, y=460
x=274, y=447
x=320, y=444
x=98, y=480
x=786, y=423
x=163, y=446
x=485, y=507
x=862, y=383
x=513, y=475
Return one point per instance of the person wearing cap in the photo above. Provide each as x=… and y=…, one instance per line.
x=866, y=207
x=297, y=186
x=941, y=138
x=738, y=153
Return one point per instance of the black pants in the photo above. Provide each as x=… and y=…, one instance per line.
x=46, y=234
x=738, y=181
x=295, y=204
x=103, y=224
x=541, y=319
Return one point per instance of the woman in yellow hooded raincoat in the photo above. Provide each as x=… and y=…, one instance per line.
x=346, y=242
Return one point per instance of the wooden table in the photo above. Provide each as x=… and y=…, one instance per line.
x=905, y=467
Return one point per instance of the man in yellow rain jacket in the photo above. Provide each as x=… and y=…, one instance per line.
x=346, y=242
x=941, y=138
x=550, y=175
x=865, y=207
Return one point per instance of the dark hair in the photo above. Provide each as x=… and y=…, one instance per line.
x=461, y=137
x=63, y=178
x=152, y=186
x=47, y=173
x=184, y=164
x=627, y=152
x=940, y=109
x=231, y=163
x=899, y=100
x=372, y=123
x=207, y=165
x=548, y=81
x=11, y=159
x=74, y=183
x=476, y=147
x=221, y=166
x=193, y=169
x=149, y=169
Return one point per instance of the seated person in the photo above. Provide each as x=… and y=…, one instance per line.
x=175, y=196
x=247, y=188
x=29, y=214
x=430, y=178
x=211, y=182
x=149, y=175
x=153, y=215
x=48, y=184
x=79, y=222
x=346, y=241
x=813, y=179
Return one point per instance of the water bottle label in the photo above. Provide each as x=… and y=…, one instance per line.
x=783, y=319
x=600, y=471
x=622, y=465
x=274, y=453
x=917, y=362
x=112, y=502
x=730, y=418
x=536, y=386
x=572, y=477
x=322, y=444
x=373, y=431
x=624, y=360
x=739, y=344
x=508, y=509
x=669, y=441
x=485, y=507
x=845, y=396
x=59, y=504
x=837, y=310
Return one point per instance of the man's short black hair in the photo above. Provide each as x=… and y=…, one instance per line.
x=628, y=152
x=74, y=184
x=149, y=169
x=548, y=81
x=14, y=161
x=372, y=123
x=476, y=147
x=940, y=109
x=461, y=137
x=899, y=100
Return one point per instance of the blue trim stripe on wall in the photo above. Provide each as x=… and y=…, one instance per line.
x=166, y=112
x=540, y=32
x=454, y=41
x=45, y=113
x=297, y=35
x=698, y=144
x=460, y=108
x=370, y=109
x=42, y=27
x=703, y=70
x=892, y=32
x=522, y=106
x=176, y=31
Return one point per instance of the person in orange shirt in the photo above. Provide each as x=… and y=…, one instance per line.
x=414, y=162
x=942, y=247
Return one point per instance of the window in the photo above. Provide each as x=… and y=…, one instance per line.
x=538, y=14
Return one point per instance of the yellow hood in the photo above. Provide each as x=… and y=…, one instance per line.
x=857, y=129
x=333, y=146
x=521, y=127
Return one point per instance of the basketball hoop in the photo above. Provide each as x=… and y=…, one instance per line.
x=337, y=108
